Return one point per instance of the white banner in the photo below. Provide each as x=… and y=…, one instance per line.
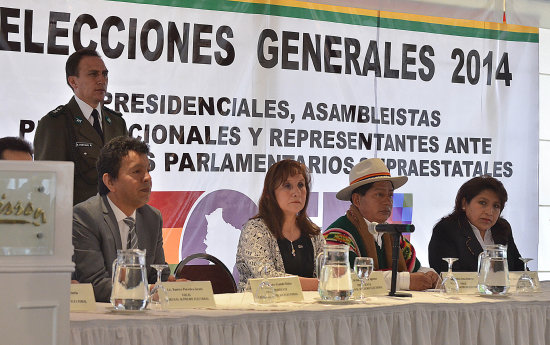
x=222, y=89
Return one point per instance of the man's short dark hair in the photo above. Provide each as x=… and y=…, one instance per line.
x=111, y=155
x=14, y=144
x=71, y=67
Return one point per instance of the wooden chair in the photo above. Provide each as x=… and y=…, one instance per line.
x=218, y=274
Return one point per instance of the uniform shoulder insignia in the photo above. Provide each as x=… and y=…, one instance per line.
x=111, y=111
x=57, y=111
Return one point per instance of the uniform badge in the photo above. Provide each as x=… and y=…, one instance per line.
x=108, y=119
x=78, y=120
x=54, y=113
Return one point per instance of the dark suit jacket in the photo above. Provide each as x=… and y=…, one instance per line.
x=64, y=134
x=455, y=238
x=96, y=238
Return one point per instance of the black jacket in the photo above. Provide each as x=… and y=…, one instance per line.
x=454, y=237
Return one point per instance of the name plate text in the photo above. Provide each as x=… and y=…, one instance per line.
x=191, y=294
x=467, y=282
x=82, y=297
x=374, y=286
x=287, y=289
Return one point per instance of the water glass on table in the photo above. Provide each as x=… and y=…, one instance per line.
x=449, y=285
x=525, y=284
x=158, y=298
x=363, y=267
x=265, y=293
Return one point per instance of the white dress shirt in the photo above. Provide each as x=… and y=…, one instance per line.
x=483, y=241
x=122, y=226
x=87, y=110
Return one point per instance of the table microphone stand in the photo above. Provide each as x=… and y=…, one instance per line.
x=395, y=230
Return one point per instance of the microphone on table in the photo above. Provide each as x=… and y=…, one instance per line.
x=395, y=230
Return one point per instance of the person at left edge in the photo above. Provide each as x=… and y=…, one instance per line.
x=68, y=133
x=14, y=148
x=101, y=224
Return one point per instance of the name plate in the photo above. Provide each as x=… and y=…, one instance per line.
x=467, y=282
x=374, y=286
x=82, y=297
x=287, y=289
x=191, y=294
x=514, y=277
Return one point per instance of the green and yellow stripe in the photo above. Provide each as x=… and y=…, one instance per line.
x=358, y=16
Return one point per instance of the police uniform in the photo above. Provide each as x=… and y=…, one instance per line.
x=64, y=134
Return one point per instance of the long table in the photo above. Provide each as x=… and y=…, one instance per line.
x=426, y=318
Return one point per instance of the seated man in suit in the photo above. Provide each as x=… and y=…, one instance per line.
x=118, y=217
x=14, y=148
x=370, y=192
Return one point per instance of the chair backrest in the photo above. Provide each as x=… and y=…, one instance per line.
x=218, y=274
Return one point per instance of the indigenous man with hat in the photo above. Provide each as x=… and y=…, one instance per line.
x=371, y=195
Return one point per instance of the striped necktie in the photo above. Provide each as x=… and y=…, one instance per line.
x=132, y=242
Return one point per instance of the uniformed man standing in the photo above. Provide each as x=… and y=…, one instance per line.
x=77, y=130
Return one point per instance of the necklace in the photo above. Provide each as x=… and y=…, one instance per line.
x=292, y=246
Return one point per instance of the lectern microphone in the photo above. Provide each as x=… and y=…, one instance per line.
x=394, y=228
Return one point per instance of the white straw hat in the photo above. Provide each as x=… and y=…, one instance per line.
x=369, y=171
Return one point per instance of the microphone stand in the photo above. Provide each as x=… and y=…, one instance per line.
x=395, y=230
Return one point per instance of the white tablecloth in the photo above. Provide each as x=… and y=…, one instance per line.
x=426, y=318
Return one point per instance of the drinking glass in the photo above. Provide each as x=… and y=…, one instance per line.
x=265, y=293
x=363, y=267
x=449, y=285
x=525, y=283
x=159, y=297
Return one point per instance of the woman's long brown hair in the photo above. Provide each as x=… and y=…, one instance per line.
x=269, y=209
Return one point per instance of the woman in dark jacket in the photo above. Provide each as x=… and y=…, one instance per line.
x=474, y=222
